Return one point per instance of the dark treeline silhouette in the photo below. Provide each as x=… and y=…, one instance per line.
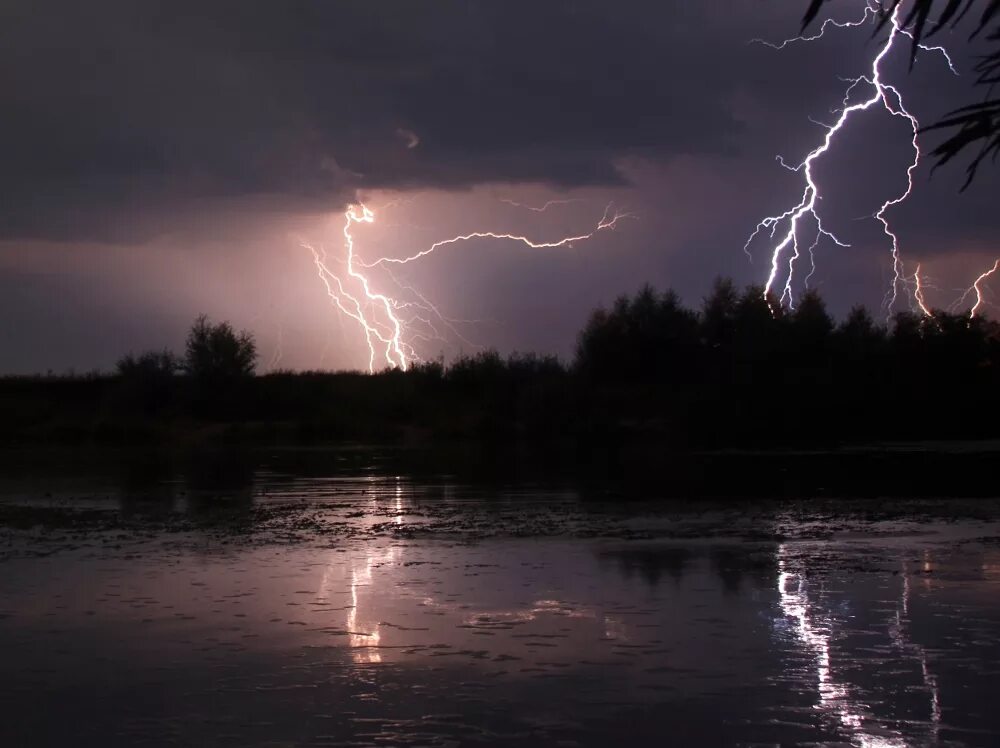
x=217, y=362
x=740, y=371
x=745, y=370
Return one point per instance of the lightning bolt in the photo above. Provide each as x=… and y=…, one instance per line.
x=870, y=14
x=918, y=294
x=976, y=289
x=350, y=305
x=389, y=324
x=426, y=305
x=788, y=228
x=542, y=208
x=608, y=221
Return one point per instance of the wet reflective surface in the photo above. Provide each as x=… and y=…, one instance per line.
x=368, y=608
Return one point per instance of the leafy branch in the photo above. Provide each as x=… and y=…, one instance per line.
x=975, y=127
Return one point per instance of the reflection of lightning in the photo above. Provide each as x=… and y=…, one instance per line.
x=903, y=643
x=806, y=212
x=389, y=332
x=817, y=635
x=365, y=643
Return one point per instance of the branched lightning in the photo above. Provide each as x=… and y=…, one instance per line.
x=977, y=290
x=426, y=305
x=541, y=208
x=870, y=13
x=804, y=218
x=608, y=221
x=350, y=305
x=918, y=294
x=391, y=325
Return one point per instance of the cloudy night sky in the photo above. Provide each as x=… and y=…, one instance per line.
x=164, y=159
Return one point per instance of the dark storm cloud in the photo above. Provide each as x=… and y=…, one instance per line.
x=115, y=111
x=161, y=159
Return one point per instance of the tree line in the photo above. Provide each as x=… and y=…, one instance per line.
x=745, y=369
x=740, y=370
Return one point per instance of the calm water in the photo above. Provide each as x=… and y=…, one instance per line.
x=348, y=605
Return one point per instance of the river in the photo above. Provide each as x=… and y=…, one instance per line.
x=348, y=604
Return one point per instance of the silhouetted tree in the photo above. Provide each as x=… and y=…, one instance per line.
x=759, y=322
x=147, y=380
x=215, y=353
x=220, y=364
x=597, y=342
x=751, y=370
x=810, y=320
x=149, y=365
x=906, y=330
x=745, y=371
x=641, y=338
x=485, y=367
x=718, y=313
x=859, y=331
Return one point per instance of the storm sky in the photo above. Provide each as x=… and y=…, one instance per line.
x=164, y=159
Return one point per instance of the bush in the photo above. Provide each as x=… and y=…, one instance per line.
x=147, y=380
x=151, y=365
x=216, y=354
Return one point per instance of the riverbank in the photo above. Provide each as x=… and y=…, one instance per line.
x=930, y=470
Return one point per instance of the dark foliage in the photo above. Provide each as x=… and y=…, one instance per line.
x=147, y=380
x=149, y=365
x=219, y=362
x=974, y=127
x=746, y=371
x=639, y=339
x=742, y=371
x=216, y=353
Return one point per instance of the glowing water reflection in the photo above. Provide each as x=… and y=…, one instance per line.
x=372, y=609
x=818, y=632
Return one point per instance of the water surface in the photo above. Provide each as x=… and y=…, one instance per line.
x=347, y=606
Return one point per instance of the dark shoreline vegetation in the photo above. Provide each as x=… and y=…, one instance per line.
x=648, y=373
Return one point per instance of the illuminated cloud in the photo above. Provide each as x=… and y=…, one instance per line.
x=180, y=169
